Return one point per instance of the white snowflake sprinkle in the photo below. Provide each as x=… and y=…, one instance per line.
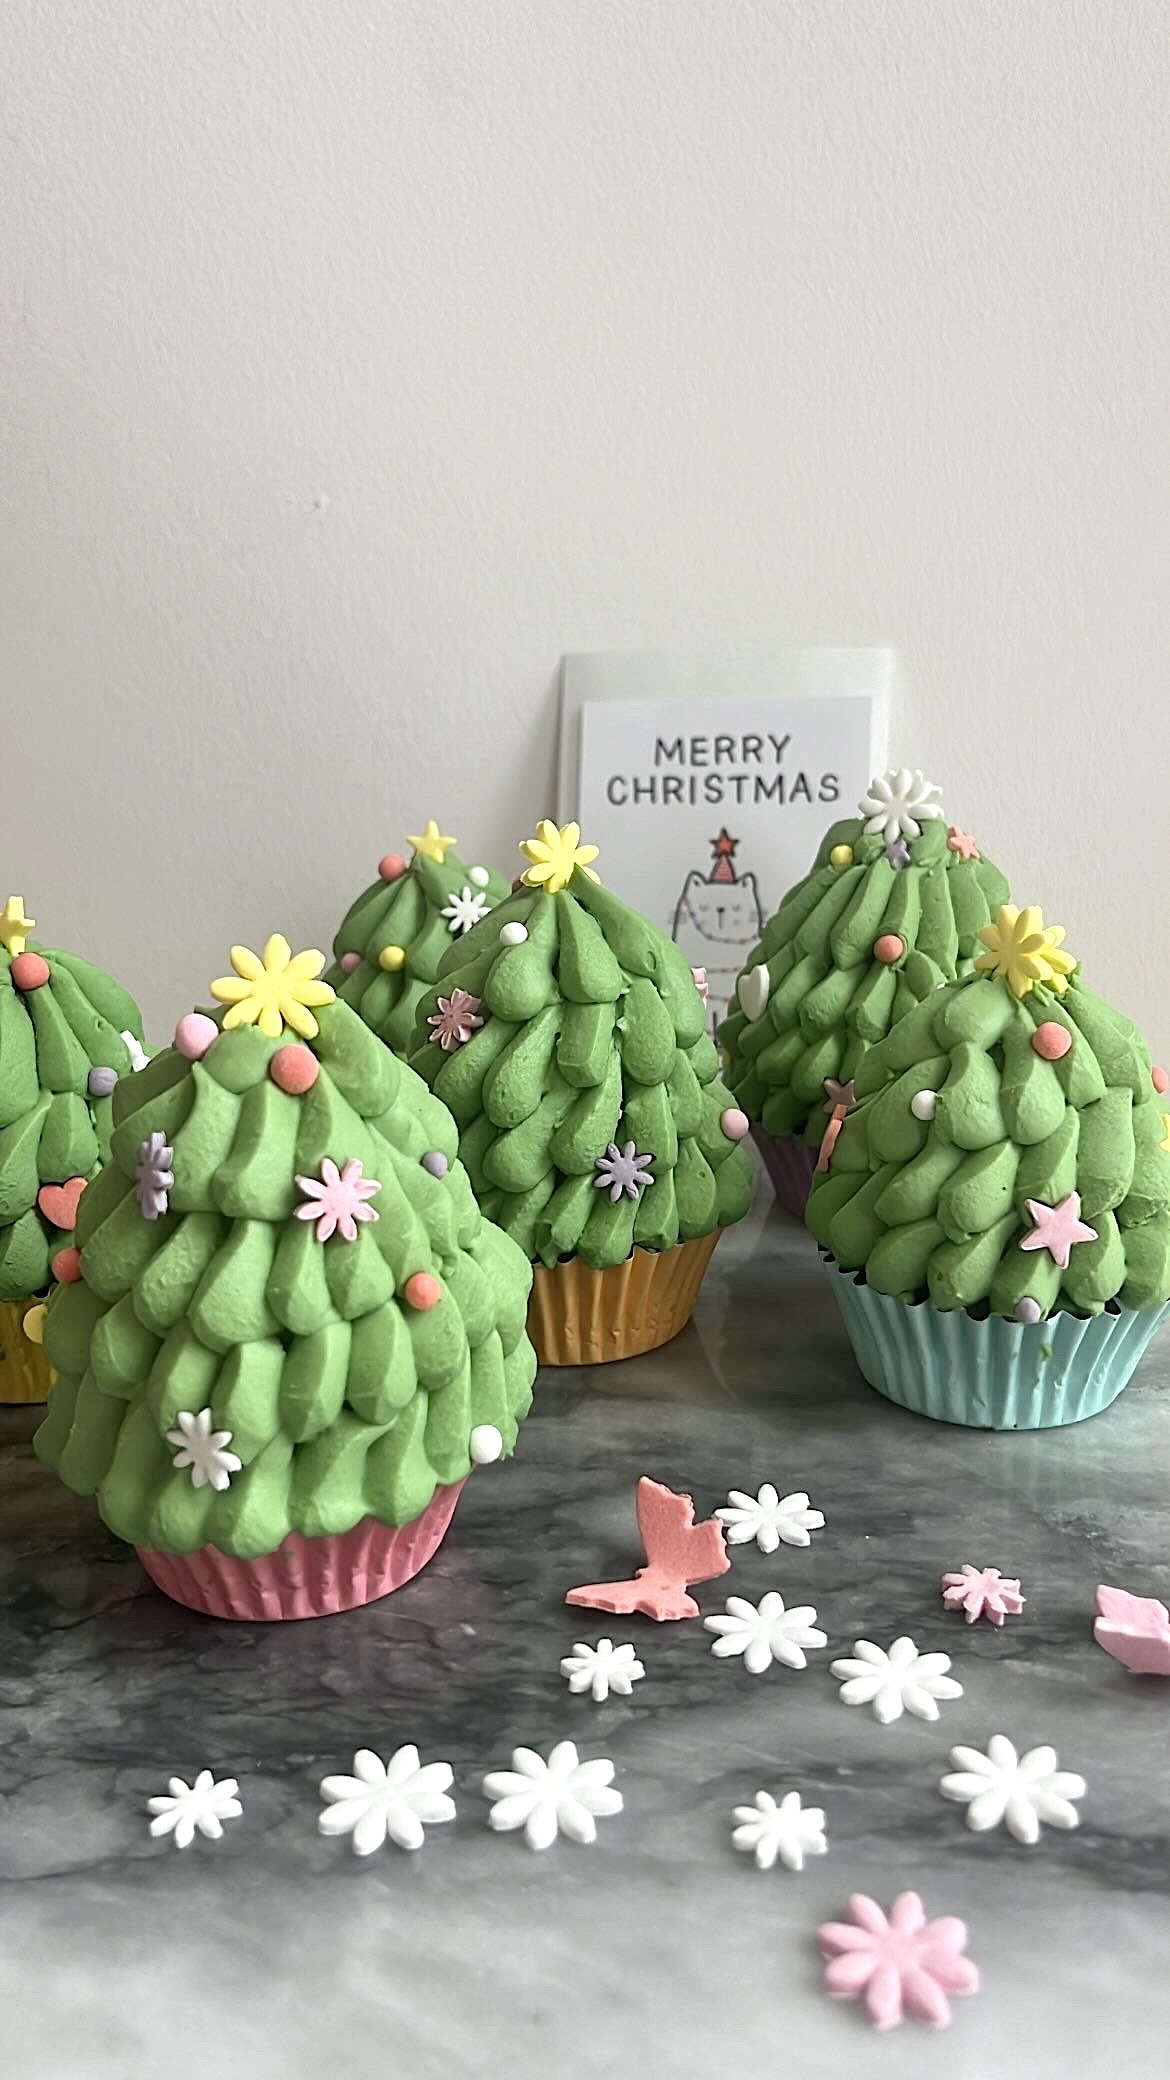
x=394, y=1800
x=789, y=1830
x=562, y=1795
x=902, y=1680
x=601, y=1669
x=898, y=804
x=771, y=1519
x=205, y=1805
x=1016, y=1791
x=204, y=1450
x=766, y=1632
x=465, y=909
x=136, y=1051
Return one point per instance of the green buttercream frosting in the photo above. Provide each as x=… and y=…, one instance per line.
x=938, y=1208
x=829, y=998
x=52, y=1128
x=407, y=912
x=592, y=1034
x=343, y=1400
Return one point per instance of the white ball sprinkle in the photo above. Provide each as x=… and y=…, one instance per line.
x=485, y=1444
x=922, y=1104
x=513, y=934
x=478, y=876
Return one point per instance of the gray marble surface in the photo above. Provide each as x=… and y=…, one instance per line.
x=278, y=1955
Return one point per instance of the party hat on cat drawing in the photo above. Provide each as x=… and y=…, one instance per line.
x=717, y=919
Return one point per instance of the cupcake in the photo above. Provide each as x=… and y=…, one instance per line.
x=290, y=1332
x=67, y=1033
x=996, y=1206
x=391, y=941
x=893, y=906
x=566, y=1035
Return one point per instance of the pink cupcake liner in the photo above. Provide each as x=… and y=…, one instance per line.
x=791, y=1165
x=305, y=1577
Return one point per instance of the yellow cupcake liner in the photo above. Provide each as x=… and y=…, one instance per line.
x=25, y=1372
x=579, y=1316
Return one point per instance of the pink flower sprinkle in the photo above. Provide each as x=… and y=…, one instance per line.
x=455, y=1020
x=905, y=1963
x=336, y=1200
x=982, y=1592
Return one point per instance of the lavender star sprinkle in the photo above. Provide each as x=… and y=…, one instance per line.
x=623, y=1170
x=898, y=853
x=154, y=1175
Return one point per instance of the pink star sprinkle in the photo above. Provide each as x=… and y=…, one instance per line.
x=455, y=1020
x=962, y=842
x=336, y=1200
x=701, y=982
x=1057, y=1228
x=829, y=1138
x=982, y=1592
x=903, y=1963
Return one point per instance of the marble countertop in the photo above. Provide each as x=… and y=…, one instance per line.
x=276, y=1954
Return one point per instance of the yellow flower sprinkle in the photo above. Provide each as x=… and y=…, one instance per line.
x=555, y=856
x=432, y=843
x=275, y=991
x=1023, y=950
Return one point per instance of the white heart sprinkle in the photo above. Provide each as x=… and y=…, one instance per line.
x=753, y=991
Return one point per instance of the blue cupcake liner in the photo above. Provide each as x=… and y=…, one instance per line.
x=992, y=1374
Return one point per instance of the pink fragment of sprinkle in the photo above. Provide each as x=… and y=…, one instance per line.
x=982, y=1592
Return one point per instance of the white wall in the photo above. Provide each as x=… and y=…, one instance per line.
x=361, y=356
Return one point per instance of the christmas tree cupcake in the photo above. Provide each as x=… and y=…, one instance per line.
x=997, y=1205
x=391, y=941
x=566, y=1035
x=67, y=1033
x=289, y=1332
x=893, y=906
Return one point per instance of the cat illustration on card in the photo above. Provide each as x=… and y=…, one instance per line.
x=717, y=921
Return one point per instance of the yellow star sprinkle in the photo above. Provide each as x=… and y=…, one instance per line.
x=433, y=844
x=274, y=992
x=15, y=926
x=1024, y=951
x=555, y=854
x=1166, y=1123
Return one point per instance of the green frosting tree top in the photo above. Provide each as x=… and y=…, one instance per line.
x=567, y=1037
x=392, y=940
x=893, y=905
x=1010, y=1149
x=289, y=1312
x=67, y=1033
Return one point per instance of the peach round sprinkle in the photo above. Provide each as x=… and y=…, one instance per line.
x=889, y=948
x=294, y=1069
x=1051, y=1041
x=1161, y=1081
x=29, y=971
x=735, y=1123
x=422, y=1290
x=392, y=867
x=66, y=1267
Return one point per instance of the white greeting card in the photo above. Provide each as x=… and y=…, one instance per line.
x=708, y=781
